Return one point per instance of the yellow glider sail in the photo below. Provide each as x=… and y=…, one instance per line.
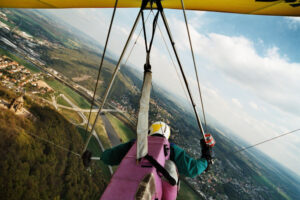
x=260, y=7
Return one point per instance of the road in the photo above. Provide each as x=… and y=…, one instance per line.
x=13, y=30
x=85, y=121
x=83, y=117
x=111, y=133
x=77, y=109
x=88, y=110
x=54, y=102
x=74, y=107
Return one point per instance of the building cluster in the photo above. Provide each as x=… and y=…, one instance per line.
x=209, y=184
x=223, y=174
x=16, y=76
x=118, y=105
x=3, y=16
x=20, y=41
x=13, y=73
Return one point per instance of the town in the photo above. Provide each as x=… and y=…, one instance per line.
x=18, y=78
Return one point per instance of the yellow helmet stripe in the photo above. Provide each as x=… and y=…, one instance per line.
x=156, y=127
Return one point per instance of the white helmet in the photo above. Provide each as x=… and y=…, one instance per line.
x=160, y=128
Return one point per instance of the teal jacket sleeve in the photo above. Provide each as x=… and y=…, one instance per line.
x=114, y=156
x=187, y=165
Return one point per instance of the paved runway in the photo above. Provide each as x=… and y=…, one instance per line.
x=112, y=135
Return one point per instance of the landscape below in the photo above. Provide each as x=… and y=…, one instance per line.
x=35, y=59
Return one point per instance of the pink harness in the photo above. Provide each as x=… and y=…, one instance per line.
x=126, y=179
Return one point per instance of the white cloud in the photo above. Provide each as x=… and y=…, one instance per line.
x=253, y=130
x=197, y=19
x=293, y=22
x=273, y=53
x=236, y=102
x=253, y=105
x=270, y=77
x=197, y=14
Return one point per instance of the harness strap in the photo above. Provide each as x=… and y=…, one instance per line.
x=161, y=169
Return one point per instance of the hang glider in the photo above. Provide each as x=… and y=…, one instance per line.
x=128, y=177
x=258, y=7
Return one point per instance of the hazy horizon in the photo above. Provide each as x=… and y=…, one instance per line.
x=248, y=66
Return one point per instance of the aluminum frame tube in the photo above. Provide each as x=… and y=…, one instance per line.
x=182, y=72
x=112, y=79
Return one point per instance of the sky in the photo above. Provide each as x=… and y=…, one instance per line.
x=249, y=68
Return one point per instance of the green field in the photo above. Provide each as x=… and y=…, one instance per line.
x=186, y=193
x=265, y=181
x=7, y=23
x=62, y=101
x=71, y=115
x=123, y=131
x=96, y=151
x=101, y=132
x=69, y=93
x=26, y=64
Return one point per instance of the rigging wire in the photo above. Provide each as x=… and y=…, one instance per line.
x=131, y=50
x=117, y=68
x=58, y=147
x=147, y=65
x=182, y=71
x=193, y=56
x=265, y=141
x=135, y=42
x=98, y=76
x=101, y=64
x=173, y=64
x=55, y=145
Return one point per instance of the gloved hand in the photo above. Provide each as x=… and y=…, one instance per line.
x=207, y=153
x=86, y=158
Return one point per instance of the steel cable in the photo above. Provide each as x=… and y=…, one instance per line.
x=136, y=41
x=52, y=143
x=180, y=80
x=101, y=64
x=265, y=141
x=193, y=56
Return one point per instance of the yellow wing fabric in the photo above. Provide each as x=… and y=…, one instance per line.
x=261, y=7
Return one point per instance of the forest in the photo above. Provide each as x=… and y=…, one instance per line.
x=33, y=168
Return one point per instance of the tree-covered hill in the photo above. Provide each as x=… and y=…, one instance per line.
x=31, y=168
x=42, y=171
